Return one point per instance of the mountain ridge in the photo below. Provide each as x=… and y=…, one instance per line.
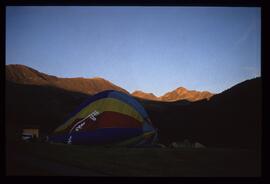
x=22, y=74
x=179, y=93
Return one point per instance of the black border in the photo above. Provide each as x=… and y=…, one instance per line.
x=247, y=3
x=228, y=3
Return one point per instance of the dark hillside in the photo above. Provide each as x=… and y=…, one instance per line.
x=230, y=119
x=39, y=105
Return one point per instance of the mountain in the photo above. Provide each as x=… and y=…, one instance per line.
x=21, y=74
x=143, y=95
x=229, y=119
x=180, y=93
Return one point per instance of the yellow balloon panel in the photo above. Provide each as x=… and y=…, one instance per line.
x=102, y=105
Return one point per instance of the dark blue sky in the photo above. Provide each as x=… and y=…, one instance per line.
x=154, y=49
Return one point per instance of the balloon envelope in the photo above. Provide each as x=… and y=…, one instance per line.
x=109, y=117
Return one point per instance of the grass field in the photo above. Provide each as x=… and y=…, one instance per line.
x=59, y=159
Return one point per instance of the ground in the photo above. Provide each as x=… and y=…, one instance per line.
x=58, y=159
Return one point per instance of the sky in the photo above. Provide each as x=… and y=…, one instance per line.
x=153, y=49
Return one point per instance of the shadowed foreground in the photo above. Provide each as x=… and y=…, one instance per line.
x=58, y=159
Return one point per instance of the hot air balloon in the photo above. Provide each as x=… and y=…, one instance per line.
x=107, y=118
